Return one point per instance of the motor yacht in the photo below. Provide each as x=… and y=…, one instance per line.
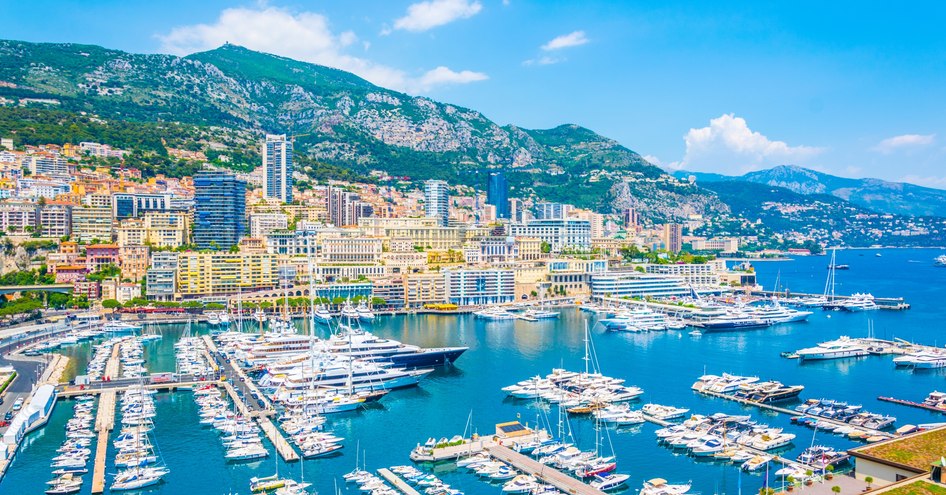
x=844, y=347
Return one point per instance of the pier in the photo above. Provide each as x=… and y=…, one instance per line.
x=113, y=365
x=397, y=482
x=282, y=445
x=542, y=472
x=656, y=421
x=895, y=303
x=239, y=380
x=104, y=424
x=792, y=412
x=910, y=403
x=69, y=391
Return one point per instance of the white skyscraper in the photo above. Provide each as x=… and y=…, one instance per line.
x=437, y=200
x=277, y=168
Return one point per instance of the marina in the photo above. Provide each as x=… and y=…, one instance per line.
x=642, y=359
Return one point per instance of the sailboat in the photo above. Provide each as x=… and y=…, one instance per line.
x=138, y=457
x=149, y=334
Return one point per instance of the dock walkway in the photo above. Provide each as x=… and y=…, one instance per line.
x=659, y=422
x=542, y=472
x=113, y=365
x=104, y=424
x=397, y=482
x=910, y=403
x=282, y=445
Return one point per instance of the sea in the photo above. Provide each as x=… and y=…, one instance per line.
x=466, y=397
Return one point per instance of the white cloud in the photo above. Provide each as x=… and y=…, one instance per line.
x=897, y=143
x=303, y=36
x=422, y=16
x=575, y=38
x=443, y=75
x=544, y=60
x=728, y=145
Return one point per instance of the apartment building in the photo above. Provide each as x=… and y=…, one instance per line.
x=216, y=273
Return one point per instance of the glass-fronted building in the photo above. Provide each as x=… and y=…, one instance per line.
x=497, y=193
x=219, y=210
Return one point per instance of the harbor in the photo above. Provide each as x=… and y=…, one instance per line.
x=652, y=361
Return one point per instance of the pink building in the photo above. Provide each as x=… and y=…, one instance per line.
x=100, y=255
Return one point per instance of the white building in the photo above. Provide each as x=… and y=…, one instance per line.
x=262, y=224
x=636, y=284
x=695, y=274
x=48, y=164
x=351, y=250
x=723, y=245
x=558, y=233
x=466, y=287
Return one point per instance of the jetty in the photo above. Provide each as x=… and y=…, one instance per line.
x=659, y=422
x=541, y=472
x=910, y=403
x=397, y=482
x=100, y=388
x=893, y=303
x=113, y=365
x=104, y=424
x=791, y=412
x=282, y=445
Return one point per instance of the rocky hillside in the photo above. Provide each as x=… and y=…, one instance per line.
x=343, y=120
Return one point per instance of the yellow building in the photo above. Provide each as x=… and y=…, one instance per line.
x=529, y=248
x=158, y=229
x=134, y=261
x=167, y=228
x=424, y=288
x=225, y=273
x=423, y=232
x=448, y=257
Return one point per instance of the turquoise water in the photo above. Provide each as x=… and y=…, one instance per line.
x=663, y=364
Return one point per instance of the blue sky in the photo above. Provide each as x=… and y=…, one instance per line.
x=854, y=89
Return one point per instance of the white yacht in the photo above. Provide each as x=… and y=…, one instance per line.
x=541, y=314
x=922, y=360
x=494, y=314
x=859, y=302
x=349, y=312
x=322, y=314
x=776, y=313
x=731, y=321
x=843, y=347
x=637, y=320
x=364, y=313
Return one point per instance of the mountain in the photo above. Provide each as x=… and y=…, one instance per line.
x=781, y=214
x=345, y=121
x=873, y=194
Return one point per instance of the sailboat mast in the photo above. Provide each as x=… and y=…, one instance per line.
x=586, y=358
